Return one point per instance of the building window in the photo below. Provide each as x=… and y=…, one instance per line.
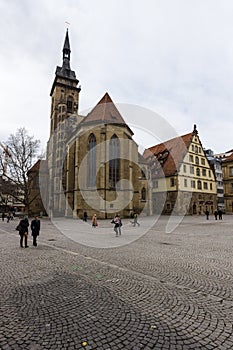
x=155, y=184
x=232, y=188
x=199, y=185
x=197, y=160
x=191, y=158
x=91, y=160
x=211, y=186
x=193, y=185
x=196, y=149
x=203, y=161
x=70, y=103
x=184, y=167
x=185, y=183
x=231, y=171
x=203, y=172
x=209, y=173
x=172, y=182
x=198, y=172
x=191, y=169
x=143, y=194
x=114, y=162
x=205, y=185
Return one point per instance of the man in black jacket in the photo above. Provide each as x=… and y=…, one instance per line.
x=35, y=227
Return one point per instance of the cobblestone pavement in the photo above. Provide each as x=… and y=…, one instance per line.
x=163, y=291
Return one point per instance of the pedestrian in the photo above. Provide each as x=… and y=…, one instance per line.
x=216, y=214
x=35, y=227
x=85, y=216
x=94, y=221
x=23, y=231
x=207, y=213
x=135, y=220
x=118, y=224
x=3, y=216
x=220, y=214
x=8, y=217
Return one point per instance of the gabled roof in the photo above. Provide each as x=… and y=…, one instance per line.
x=105, y=112
x=228, y=159
x=170, y=154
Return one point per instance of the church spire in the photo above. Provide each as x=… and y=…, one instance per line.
x=66, y=52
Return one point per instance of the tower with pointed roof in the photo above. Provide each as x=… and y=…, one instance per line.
x=63, y=122
x=65, y=91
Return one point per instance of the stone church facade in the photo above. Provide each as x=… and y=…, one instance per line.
x=93, y=161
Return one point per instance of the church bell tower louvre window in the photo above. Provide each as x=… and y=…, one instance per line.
x=70, y=104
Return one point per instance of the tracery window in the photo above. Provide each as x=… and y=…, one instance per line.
x=114, y=162
x=91, y=159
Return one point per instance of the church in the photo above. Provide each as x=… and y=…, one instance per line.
x=93, y=164
x=93, y=161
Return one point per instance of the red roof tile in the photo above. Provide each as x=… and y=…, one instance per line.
x=105, y=111
x=170, y=154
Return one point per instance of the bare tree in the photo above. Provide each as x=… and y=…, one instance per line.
x=22, y=150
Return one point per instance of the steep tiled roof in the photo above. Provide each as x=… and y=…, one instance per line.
x=169, y=154
x=228, y=159
x=105, y=112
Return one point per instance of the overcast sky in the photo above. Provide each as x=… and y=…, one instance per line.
x=174, y=57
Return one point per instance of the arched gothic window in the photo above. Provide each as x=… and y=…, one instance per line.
x=143, y=194
x=114, y=162
x=91, y=159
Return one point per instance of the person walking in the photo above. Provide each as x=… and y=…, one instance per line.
x=135, y=220
x=216, y=214
x=118, y=224
x=85, y=216
x=3, y=216
x=220, y=214
x=8, y=217
x=35, y=227
x=23, y=231
x=94, y=221
x=207, y=213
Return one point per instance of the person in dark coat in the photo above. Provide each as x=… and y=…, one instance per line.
x=23, y=232
x=85, y=216
x=35, y=227
x=220, y=214
x=216, y=214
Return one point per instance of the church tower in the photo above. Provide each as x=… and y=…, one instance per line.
x=64, y=92
x=63, y=122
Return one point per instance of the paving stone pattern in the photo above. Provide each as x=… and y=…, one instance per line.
x=164, y=291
